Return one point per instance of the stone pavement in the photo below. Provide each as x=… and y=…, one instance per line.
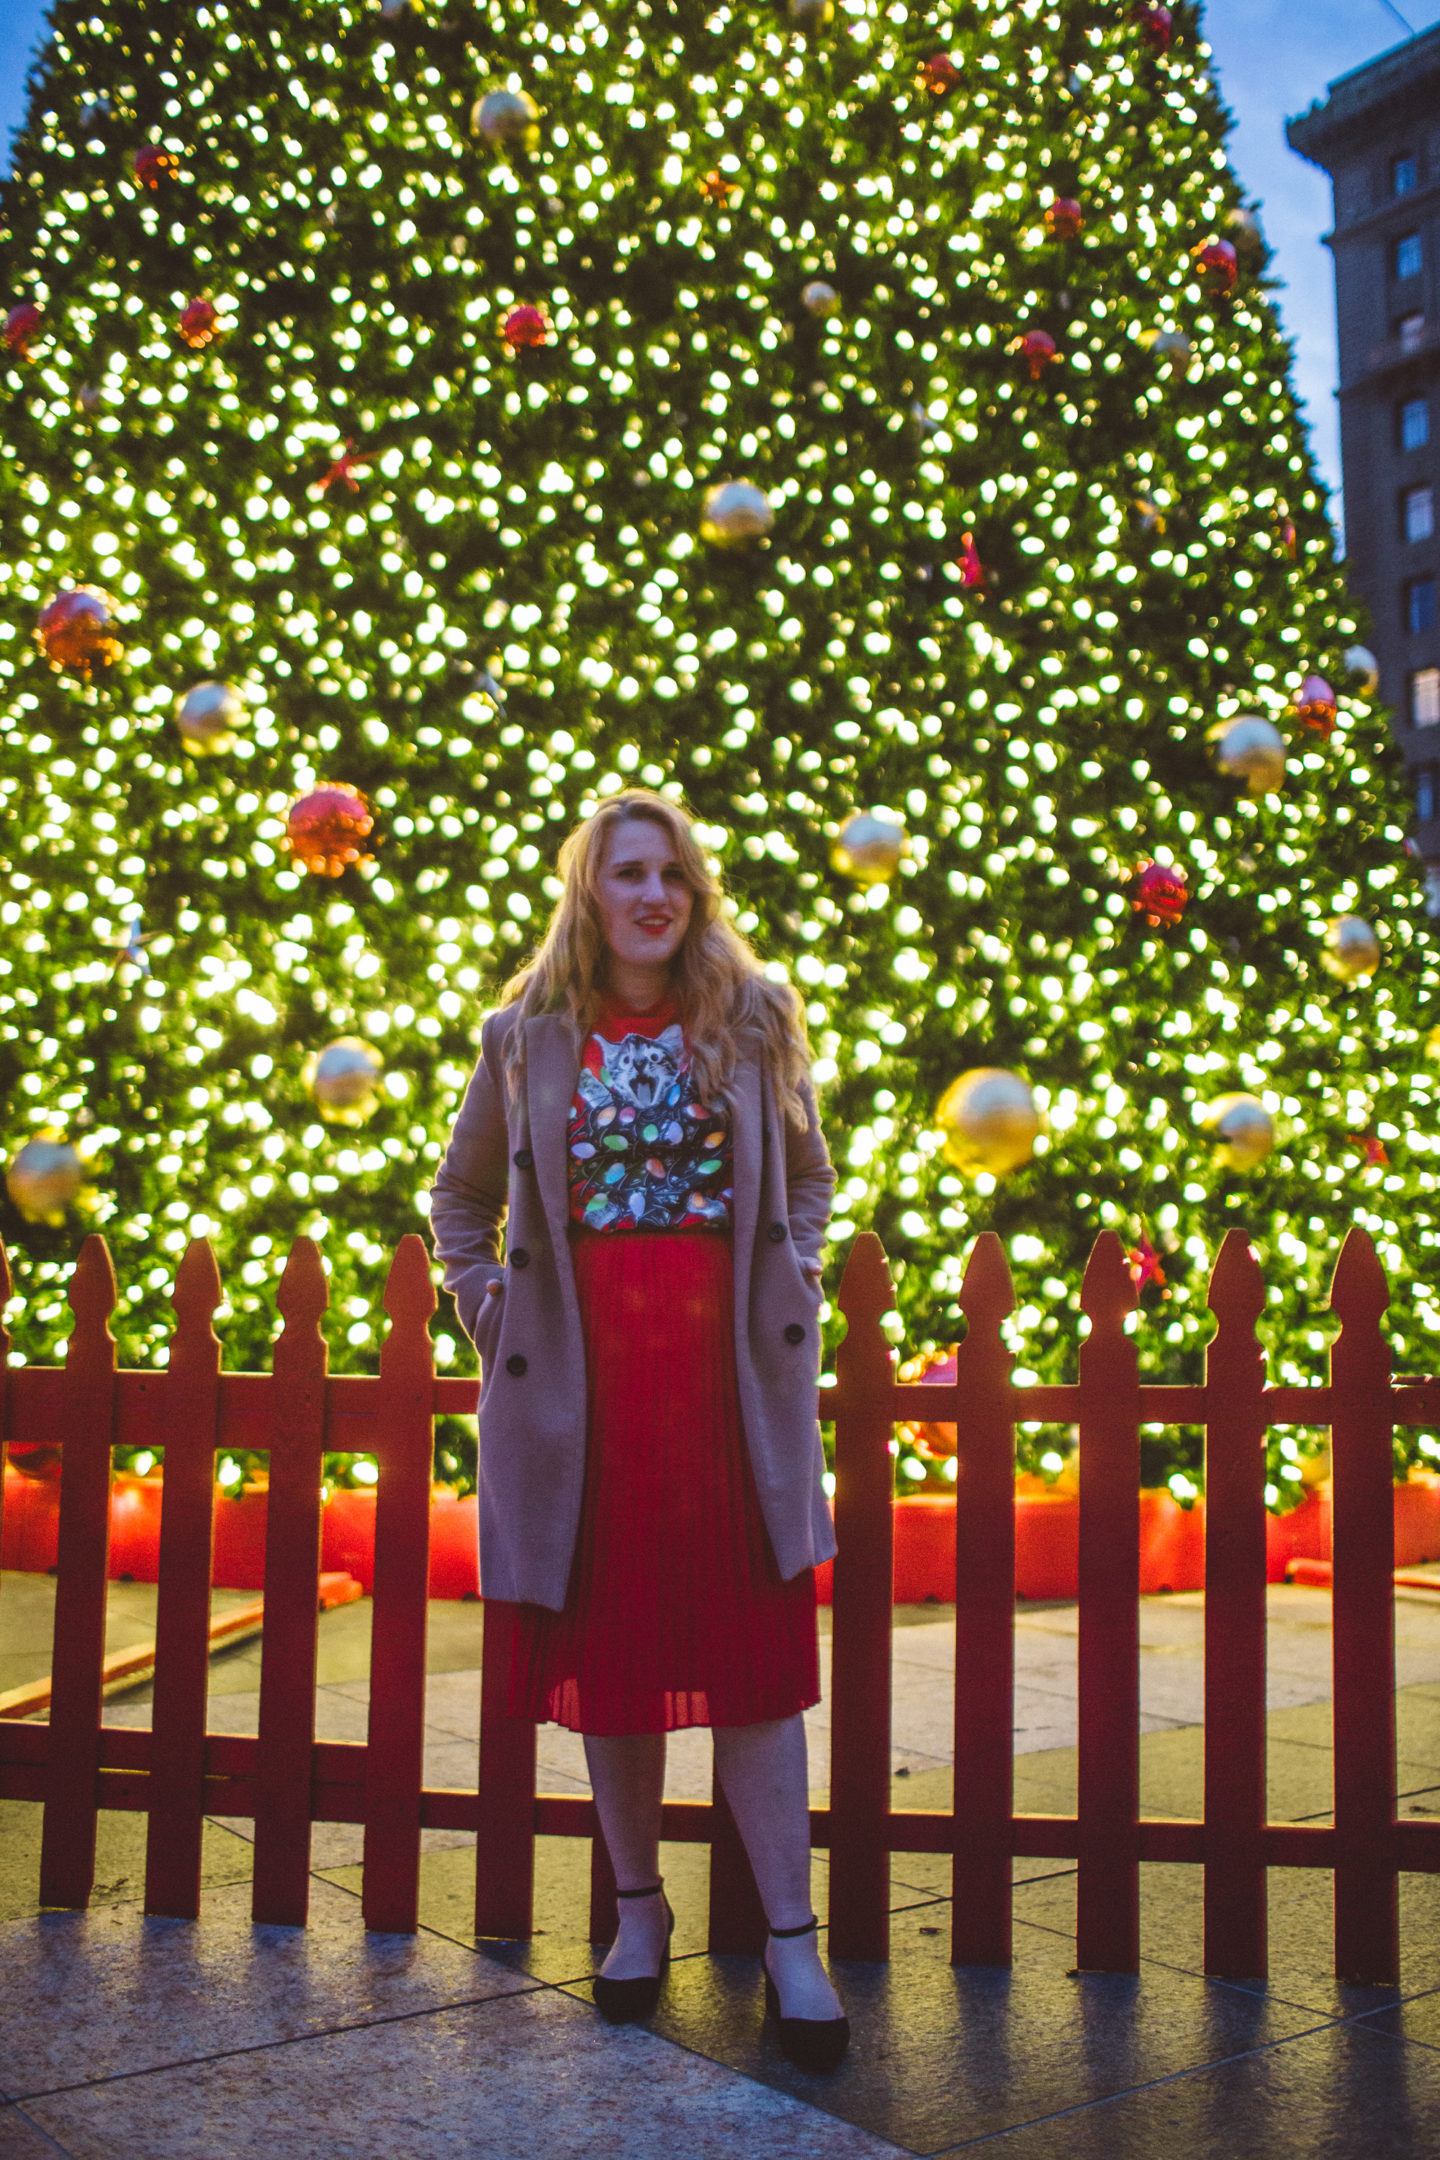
x=165, y=2040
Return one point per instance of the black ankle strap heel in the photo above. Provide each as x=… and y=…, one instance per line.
x=624, y=2000
x=810, y=2043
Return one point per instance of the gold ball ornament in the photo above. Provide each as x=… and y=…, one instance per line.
x=44, y=1178
x=1252, y=750
x=868, y=848
x=343, y=1078
x=734, y=513
x=989, y=1119
x=1242, y=1129
x=818, y=298
x=1351, y=950
x=209, y=717
x=507, y=119
x=1363, y=668
x=811, y=14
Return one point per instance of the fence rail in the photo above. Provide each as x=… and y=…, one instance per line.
x=177, y=1773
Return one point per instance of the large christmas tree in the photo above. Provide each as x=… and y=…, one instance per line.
x=377, y=367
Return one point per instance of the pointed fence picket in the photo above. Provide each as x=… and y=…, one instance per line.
x=177, y=1773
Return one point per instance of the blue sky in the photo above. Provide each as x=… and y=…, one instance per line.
x=1274, y=58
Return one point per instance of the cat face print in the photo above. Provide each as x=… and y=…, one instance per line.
x=641, y=1069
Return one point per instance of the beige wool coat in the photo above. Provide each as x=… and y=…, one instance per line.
x=513, y=1170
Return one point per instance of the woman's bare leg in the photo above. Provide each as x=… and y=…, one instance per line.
x=762, y=1770
x=627, y=1777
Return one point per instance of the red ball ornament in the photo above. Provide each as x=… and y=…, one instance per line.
x=1038, y=348
x=1157, y=25
x=154, y=164
x=21, y=324
x=199, y=322
x=76, y=631
x=1218, y=265
x=939, y=74
x=324, y=828
x=1161, y=893
x=1063, y=218
x=525, y=327
x=1315, y=706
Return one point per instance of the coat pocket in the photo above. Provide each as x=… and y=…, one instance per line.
x=489, y=1317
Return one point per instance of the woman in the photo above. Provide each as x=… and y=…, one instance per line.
x=650, y=1457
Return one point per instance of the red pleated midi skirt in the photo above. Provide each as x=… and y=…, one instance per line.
x=675, y=1613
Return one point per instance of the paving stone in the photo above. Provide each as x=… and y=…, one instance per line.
x=21, y=2139
x=1340, y=2093
x=119, y=1860
x=1301, y=1910
x=942, y=2054
x=91, y=1995
x=522, y=2078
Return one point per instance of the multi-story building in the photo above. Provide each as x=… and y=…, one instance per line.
x=1377, y=133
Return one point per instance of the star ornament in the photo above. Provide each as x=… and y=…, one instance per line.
x=343, y=468
x=1143, y=1262
x=1373, y=1149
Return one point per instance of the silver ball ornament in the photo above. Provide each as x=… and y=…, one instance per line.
x=818, y=298
x=209, y=717
x=868, y=848
x=343, y=1078
x=1242, y=1129
x=507, y=119
x=1252, y=750
x=1351, y=950
x=44, y=1178
x=734, y=513
x=1363, y=668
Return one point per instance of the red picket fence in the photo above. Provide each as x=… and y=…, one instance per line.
x=285, y=1778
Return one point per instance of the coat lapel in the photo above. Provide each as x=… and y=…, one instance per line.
x=747, y=1177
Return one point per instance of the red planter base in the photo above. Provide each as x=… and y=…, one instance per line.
x=1047, y=1538
x=1172, y=1542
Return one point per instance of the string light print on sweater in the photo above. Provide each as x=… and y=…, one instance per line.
x=645, y=1152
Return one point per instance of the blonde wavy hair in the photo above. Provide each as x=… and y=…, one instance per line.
x=721, y=989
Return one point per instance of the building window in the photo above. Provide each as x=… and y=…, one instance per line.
x=1425, y=697
x=1409, y=330
x=1408, y=257
x=1417, y=513
x=1414, y=423
x=1404, y=175
x=1425, y=794
x=1420, y=604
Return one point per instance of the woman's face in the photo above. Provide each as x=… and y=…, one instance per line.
x=645, y=900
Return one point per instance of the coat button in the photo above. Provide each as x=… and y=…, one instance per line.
x=523, y=1158
x=776, y=1232
x=515, y=1363
x=794, y=1332
x=519, y=1258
